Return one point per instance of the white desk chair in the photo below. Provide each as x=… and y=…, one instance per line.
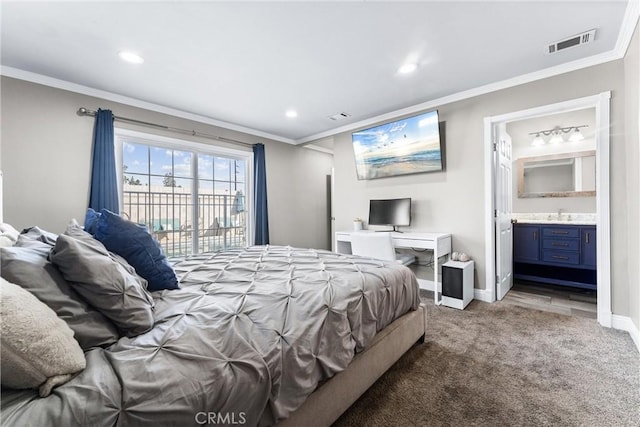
x=379, y=246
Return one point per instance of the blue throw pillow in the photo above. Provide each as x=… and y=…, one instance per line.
x=135, y=244
x=91, y=221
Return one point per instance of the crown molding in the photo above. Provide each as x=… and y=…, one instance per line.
x=316, y=148
x=629, y=22
x=19, y=74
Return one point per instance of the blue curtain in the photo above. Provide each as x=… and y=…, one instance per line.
x=260, y=195
x=104, y=182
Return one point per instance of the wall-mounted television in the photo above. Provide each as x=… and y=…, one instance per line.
x=393, y=212
x=401, y=147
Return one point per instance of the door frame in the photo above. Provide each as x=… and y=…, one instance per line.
x=601, y=103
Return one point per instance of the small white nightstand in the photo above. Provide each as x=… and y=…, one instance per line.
x=457, y=284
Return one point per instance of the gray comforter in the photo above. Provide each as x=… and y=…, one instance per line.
x=249, y=336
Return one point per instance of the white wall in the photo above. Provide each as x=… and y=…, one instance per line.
x=521, y=140
x=453, y=201
x=46, y=160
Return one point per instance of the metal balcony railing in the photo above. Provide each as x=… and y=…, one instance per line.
x=169, y=216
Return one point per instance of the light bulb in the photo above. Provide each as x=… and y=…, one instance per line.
x=408, y=68
x=556, y=138
x=576, y=136
x=131, y=57
x=537, y=141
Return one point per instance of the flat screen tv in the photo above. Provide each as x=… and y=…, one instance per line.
x=402, y=147
x=393, y=212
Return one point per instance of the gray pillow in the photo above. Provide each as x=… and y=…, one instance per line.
x=29, y=268
x=38, y=349
x=104, y=281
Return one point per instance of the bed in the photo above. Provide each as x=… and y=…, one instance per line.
x=264, y=335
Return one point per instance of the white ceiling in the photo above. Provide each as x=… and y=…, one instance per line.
x=245, y=63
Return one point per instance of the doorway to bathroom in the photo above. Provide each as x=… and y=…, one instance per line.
x=547, y=178
x=554, y=213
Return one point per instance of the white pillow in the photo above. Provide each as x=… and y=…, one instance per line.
x=8, y=235
x=38, y=349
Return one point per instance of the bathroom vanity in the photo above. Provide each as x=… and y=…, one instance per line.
x=558, y=253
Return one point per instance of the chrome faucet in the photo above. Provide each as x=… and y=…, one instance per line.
x=559, y=214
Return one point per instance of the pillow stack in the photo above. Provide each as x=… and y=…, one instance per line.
x=93, y=287
x=28, y=267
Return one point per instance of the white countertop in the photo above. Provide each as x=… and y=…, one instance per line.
x=551, y=222
x=562, y=218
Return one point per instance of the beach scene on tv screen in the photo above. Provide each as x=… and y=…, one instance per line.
x=406, y=146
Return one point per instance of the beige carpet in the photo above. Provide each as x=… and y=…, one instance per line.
x=503, y=365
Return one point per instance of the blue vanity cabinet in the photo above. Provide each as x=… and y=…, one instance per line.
x=526, y=242
x=588, y=248
x=557, y=254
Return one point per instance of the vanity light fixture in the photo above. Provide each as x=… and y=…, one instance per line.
x=557, y=135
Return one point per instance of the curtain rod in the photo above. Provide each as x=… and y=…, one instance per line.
x=86, y=112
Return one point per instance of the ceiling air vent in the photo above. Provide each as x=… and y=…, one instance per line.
x=573, y=41
x=339, y=116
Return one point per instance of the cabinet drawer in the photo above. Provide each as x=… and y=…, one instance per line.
x=559, y=257
x=561, y=232
x=561, y=244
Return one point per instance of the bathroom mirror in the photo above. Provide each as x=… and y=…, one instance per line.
x=558, y=175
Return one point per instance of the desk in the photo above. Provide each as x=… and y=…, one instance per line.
x=439, y=243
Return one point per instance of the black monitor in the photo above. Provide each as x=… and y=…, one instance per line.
x=394, y=212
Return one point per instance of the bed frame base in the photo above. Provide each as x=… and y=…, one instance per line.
x=328, y=402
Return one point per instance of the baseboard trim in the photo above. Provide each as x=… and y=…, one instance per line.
x=624, y=323
x=482, y=295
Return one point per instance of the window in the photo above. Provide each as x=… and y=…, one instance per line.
x=193, y=197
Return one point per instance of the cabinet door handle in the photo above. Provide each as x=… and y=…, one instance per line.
x=586, y=237
x=564, y=244
x=559, y=232
x=559, y=257
x=535, y=235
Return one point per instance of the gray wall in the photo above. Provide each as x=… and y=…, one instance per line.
x=46, y=156
x=453, y=201
x=632, y=130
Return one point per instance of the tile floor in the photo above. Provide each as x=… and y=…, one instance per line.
x=556, y=299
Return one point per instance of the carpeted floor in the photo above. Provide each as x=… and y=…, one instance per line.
x=504, y=365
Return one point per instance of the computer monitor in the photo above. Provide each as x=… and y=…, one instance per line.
x=393, y=212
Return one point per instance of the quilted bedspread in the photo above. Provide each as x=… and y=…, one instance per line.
x=250, y=334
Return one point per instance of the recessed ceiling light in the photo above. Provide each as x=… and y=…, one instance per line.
x=129, y=56
x=292, y=114
x=407, y=68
